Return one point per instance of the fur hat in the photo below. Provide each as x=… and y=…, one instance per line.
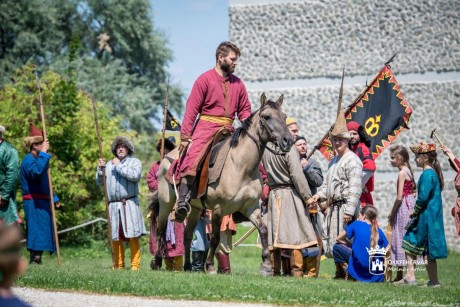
x=35, y=136
x=340, y=128
x=290, y=121
x=352, y=125
x=122, y=140
x=170, y=143
x=423, y=148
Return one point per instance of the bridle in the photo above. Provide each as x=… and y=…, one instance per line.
x=277, y=150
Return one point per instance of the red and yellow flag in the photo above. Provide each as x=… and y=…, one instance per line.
x=381, y=110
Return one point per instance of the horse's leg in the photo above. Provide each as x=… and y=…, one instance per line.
x=215, y=239
x=256, y=219
x=166, y=198
x=192, y=221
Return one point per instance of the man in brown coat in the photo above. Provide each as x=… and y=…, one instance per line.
x=288, y=225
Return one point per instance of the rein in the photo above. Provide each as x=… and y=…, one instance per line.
x=263, y=146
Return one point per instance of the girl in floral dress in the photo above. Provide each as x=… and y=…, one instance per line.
x=403, y=206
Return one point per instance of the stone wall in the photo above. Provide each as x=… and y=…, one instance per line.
x=305, y=39
x=298, y=48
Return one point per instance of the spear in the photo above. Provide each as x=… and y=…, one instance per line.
x=106, y=197
x=351, y=106
x=165, y=113
x=53, y=213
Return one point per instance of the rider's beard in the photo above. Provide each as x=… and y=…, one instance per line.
x=227, y=67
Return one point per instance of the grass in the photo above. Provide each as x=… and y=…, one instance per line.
x=88, y=270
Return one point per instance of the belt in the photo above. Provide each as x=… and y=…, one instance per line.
x=217, y=119
x=35, y=196
x=123, y=200
x=281, y=186
x=338, y=203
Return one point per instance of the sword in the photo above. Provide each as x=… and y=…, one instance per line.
x=313, y=215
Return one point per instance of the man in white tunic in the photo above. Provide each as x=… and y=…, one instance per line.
x=342, y=188
x=127, y=224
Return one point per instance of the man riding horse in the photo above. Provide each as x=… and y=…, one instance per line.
x=216, y=96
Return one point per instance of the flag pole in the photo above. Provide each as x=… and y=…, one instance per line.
x=352, y=105
x=165, y=113
x=50, y=183
x=106, y=197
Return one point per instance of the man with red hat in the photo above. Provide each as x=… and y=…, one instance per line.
x=359, y=144
x=36, y=196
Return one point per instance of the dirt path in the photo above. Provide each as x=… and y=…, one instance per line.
x=42, y=298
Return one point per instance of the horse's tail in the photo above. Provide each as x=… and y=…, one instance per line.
x=154, y=208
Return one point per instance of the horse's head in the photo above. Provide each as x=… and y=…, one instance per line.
x=273, y=124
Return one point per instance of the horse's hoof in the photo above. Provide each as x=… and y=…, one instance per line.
x=265, y=270
x=154, y=265
x=210, y=269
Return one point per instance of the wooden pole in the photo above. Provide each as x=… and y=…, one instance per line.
x=245, y=236
x=53, y=213
x=165, y=116
x=351, y=106
x=339, y=107
x=388, y=271
x=433, y=134
x=106, y=197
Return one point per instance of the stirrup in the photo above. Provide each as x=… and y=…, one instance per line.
x=181, y=212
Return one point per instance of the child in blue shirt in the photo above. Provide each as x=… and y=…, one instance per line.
x=366, y=236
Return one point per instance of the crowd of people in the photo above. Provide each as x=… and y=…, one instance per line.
x=308, y=214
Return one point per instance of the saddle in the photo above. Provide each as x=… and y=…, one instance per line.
x=210, y=166
x=213, y=163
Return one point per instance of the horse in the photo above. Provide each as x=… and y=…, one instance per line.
x=239, y=186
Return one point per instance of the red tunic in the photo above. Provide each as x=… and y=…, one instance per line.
x=152, y=176
x=211, y=95
x=456, y=209
x=364, y=154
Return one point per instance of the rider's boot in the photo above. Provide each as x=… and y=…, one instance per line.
x=183, y=208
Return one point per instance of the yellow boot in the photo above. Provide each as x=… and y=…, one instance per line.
x=311, y=266
x=135, y=248
x=296, y=263
x=118, y=255
x=178, y=263
x=169, y=263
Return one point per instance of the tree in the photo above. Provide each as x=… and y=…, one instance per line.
x=111, y=47
x=73, y=141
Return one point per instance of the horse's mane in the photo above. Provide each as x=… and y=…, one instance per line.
x=242, y=131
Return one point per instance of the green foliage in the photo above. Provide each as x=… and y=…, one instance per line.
x=73, y=142
x=128, y=75
x=87, y=271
